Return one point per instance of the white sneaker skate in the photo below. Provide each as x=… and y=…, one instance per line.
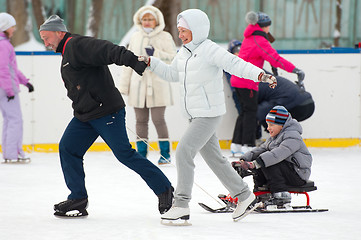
x=244, y=208
x=176, y=213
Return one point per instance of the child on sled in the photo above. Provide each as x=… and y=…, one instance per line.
x=282, y=160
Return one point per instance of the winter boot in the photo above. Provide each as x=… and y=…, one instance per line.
x=245, y=148
x=279, y=199
x=165, y=200
x=236, y=148
x=142, y=148
x=164, y=152
x=62, y=209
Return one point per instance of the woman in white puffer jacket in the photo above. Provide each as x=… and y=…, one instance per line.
x=198, y=66
x=148, y=93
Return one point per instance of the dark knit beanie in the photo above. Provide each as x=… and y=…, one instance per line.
x=278, y=115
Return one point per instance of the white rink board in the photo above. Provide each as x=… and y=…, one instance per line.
x=334, y=81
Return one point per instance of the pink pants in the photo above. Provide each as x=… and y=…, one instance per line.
x=12, y=135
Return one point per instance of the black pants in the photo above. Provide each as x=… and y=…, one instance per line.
x=278, y=177
x=302, y=112
x=246, y=124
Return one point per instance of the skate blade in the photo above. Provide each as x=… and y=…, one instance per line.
x=247, y=212
x=72, y=214
x=286, y=206
x=17, y=161
x=177, y=222
x=236, y=155
x=165, y=163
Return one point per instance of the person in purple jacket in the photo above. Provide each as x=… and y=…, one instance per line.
x=10, y=79
x=255, y=49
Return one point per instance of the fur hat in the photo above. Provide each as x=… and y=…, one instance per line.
x=261, y=18
x=54, y=23
x=148, y=11
x=6, y=21
x=278, y=115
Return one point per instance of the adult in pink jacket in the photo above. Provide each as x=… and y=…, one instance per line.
x=10, y=78
x=255, y=49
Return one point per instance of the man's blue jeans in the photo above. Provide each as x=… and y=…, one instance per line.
x=79, y=136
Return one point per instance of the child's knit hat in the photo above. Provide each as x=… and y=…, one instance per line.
x=278, y=115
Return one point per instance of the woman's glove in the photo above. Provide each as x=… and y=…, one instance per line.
x=267, y=78
x=300, y=74
x=30, y=87
x=145, y=59
x=149, y=50
x=10, y=98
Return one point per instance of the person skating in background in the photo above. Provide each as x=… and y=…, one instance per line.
x=233, y=47
x=255, y=49
x=99, y=110
x=149, y=94
x=198, y=66
x=292, y=96
x=10, y=79
x=282, y=161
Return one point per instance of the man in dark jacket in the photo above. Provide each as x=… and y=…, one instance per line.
x=288, y=94
x=98, y=111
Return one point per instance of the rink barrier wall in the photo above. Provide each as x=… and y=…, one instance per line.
x=225, y=144
x=333, y=76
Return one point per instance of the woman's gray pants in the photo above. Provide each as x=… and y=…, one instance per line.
x=200, y=136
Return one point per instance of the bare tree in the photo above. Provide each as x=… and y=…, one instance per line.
x=17, y=8
x=170, y=10
x=337, y=33
x=38, y=12
x=70, y=13
x=95, y=17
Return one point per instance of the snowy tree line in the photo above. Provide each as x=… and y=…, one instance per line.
x=298, y=24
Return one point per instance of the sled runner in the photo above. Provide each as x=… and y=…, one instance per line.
x=263, y=194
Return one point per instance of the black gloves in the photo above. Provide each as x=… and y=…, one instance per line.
x=274, y=71
x=10, y=98
x=242, y=172
x=30, y=87
x=139, y=67
x=149, y=50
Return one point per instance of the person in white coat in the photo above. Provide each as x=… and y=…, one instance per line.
x=198, y=66
x=149, y=94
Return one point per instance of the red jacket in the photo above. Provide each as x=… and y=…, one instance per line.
x=256, y=49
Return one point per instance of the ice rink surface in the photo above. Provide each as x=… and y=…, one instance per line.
x=121, y=206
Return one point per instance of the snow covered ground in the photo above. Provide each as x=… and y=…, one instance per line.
x=123, y=207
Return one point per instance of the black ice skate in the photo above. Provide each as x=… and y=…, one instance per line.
x=165, y=200
x=72, y=208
